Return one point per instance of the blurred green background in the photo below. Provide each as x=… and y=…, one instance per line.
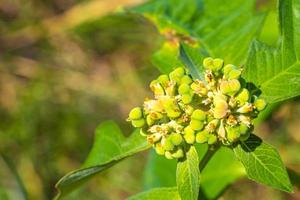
x=68, y=65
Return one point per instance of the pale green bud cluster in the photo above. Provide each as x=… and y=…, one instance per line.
x=219, y=109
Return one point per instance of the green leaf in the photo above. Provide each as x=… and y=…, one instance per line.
x=277, y=70
x=225, y=30
x=188, y=175
x=166, y=58
x=170, y=193
x=192, y=58
x=222, y=170
x=159, y=171
x=110, y=147
x=263, y=163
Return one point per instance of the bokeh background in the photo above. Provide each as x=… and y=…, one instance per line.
x=68, y=65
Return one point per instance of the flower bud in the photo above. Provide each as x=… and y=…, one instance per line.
x=243, y=96
x=157, y=88
x=176, y=138
x=159, y=149
x=221, y=109
x=212, y=139
x=155, y=115
x=199, y=88
x=163, y=80
x=187, y=98
x=167, y=144
x=230, y=87
x=260, y=104
x=189, y=138
x=138, y=123
x=184, y=89
x=196, y=124
x=218, y=64
x=202, y=136
x=199, y=115
x=177, y=74
x=186, y=79
x=233, y=133
x=244, y=129
x=168, y=155
x=136, y=113
x=231, y=72
x=245, y=136
x=208, y=62
x=149, y=120
x=178, y=153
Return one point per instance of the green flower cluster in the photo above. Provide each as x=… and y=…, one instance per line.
x=217, y=109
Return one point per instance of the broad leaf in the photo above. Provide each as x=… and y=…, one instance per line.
x=188, y=175
x=225, y=30
x=192, y=58
x=263, y=163
x=277, y=70
x=110, y=146
x=170, y=193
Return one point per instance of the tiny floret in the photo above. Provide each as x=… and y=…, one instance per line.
x=216, y=110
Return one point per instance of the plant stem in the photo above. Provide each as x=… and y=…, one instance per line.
x=208, y=155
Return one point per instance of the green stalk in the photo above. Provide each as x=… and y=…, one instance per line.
x=207, y=156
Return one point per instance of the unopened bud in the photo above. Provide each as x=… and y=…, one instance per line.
x=202, y=136
x=230, y=87
x=199, y=115
x=138, y=123
x=176, y=138
x=260, y=104
x=167, y=144
x=208, y=62
x=233, y=133
x=163, y=80
x=149, y=120
x=218, y=64
x=196, y=124
x=157, y=88
x=178, y=153
x=231, y=72
x=186, y=80
x=159, y=149
x=187, y=98
x=243, y=96
x=184, y=89
x=136, y=113
x=177, y=74
x=212, y=139
x=168, y=155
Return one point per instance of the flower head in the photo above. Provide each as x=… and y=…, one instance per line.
x=184, y=111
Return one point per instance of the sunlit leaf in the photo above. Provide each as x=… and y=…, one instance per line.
x=110, y=147
x=263, y=163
